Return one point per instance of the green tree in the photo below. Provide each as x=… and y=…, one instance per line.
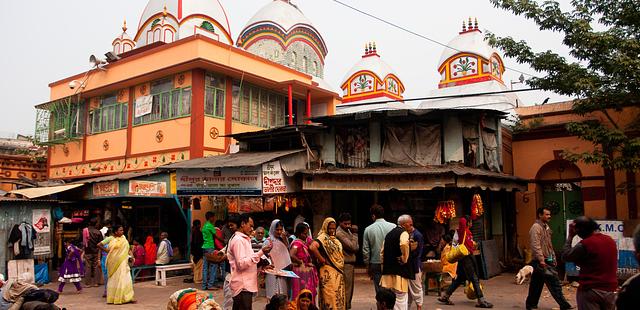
x=603, y=39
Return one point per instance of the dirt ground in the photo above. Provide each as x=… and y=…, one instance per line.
x=500, y=290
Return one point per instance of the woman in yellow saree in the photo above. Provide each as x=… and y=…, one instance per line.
x=327, y=250
x=119, y=283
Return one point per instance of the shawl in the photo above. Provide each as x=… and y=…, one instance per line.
x=330, y=245
x=118, y=254
x=280, y=253
x=294, y=304
x=151, y=251
x=462, y=229
x=16, y=290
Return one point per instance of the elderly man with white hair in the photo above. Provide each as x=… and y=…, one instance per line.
x=396, y=271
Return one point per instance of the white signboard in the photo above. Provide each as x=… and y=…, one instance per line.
x=627, y=264
x=274, y=181
x=245, y=181
x=41, y=219
x=144, y=105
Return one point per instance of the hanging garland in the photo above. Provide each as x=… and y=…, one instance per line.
x=477, y=209
x=446, y=210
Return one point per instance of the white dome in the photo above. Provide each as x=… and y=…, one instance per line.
x=371, y=63
x=281, y=33
x=186, y=15
x=282, y=13
x=469, y=42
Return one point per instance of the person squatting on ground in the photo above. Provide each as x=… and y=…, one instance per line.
x=280, y=259
x=597, y=256
x=91, y=236
x=278, y=301
x=304, y=301
x=348, y=236
x=244, y=264
x=385, y=299
x=467, y=269
x=543, y=263
x=72, y=270
x=209, y=269
x=629, y=294
x=328, y=253
x=396, y=269
x=372, y=240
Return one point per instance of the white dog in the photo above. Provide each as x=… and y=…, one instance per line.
x=523, y=274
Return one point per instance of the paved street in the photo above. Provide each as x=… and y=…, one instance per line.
x=500, y=290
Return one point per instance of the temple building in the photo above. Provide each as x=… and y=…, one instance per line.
x=371, y=83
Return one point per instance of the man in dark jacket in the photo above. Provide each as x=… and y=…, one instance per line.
x=597, y=256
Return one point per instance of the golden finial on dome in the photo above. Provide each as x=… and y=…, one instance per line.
x=470, y=25
x=370, y=48
x=366, y=49
x=124, y=26
x=464, y=26
x=164, y=12
x=374, y=46
x=475, y=23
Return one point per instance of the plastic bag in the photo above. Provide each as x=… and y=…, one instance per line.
x=41, y=272
x=470, y=292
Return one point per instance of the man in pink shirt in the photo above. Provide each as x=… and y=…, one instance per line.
x=244, y=263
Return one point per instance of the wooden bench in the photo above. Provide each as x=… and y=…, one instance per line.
x=135, y=271
x=161, y=271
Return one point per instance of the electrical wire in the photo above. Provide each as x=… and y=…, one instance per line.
x=413, y=32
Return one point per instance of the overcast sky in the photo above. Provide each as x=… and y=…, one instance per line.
x=45, y=41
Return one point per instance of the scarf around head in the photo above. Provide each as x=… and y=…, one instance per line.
x=150, y=250
x=295, y=305
x=280, y=253
x=331, y=246
x=463, y=230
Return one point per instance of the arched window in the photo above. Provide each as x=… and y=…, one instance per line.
x=294, y=57
x=304, y=64
x=315, y=68
x=116, y=48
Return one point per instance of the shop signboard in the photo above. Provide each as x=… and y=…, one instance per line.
x=274, y=181
x=147, y=188
x=223, y=181
x=627, y=264
x=106, y=189
x=41, y=219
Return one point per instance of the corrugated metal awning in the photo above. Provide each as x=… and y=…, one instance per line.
x=410, y=178
x=242, y=159
x=36, y=192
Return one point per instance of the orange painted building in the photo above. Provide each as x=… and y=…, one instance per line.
x=174, y=91
x=568, y=189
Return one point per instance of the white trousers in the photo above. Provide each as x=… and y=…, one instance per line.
x=402, y=300
x=226, y=289
x=415, y=290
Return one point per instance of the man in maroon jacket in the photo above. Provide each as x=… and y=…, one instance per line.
x=597, y=256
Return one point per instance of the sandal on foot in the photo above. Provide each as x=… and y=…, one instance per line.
x=484, y=304
x=445, y=300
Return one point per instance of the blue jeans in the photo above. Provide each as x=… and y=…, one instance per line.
x=209, y=271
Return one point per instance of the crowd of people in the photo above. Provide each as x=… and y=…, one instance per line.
x=104, y=256
x=300, y=270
